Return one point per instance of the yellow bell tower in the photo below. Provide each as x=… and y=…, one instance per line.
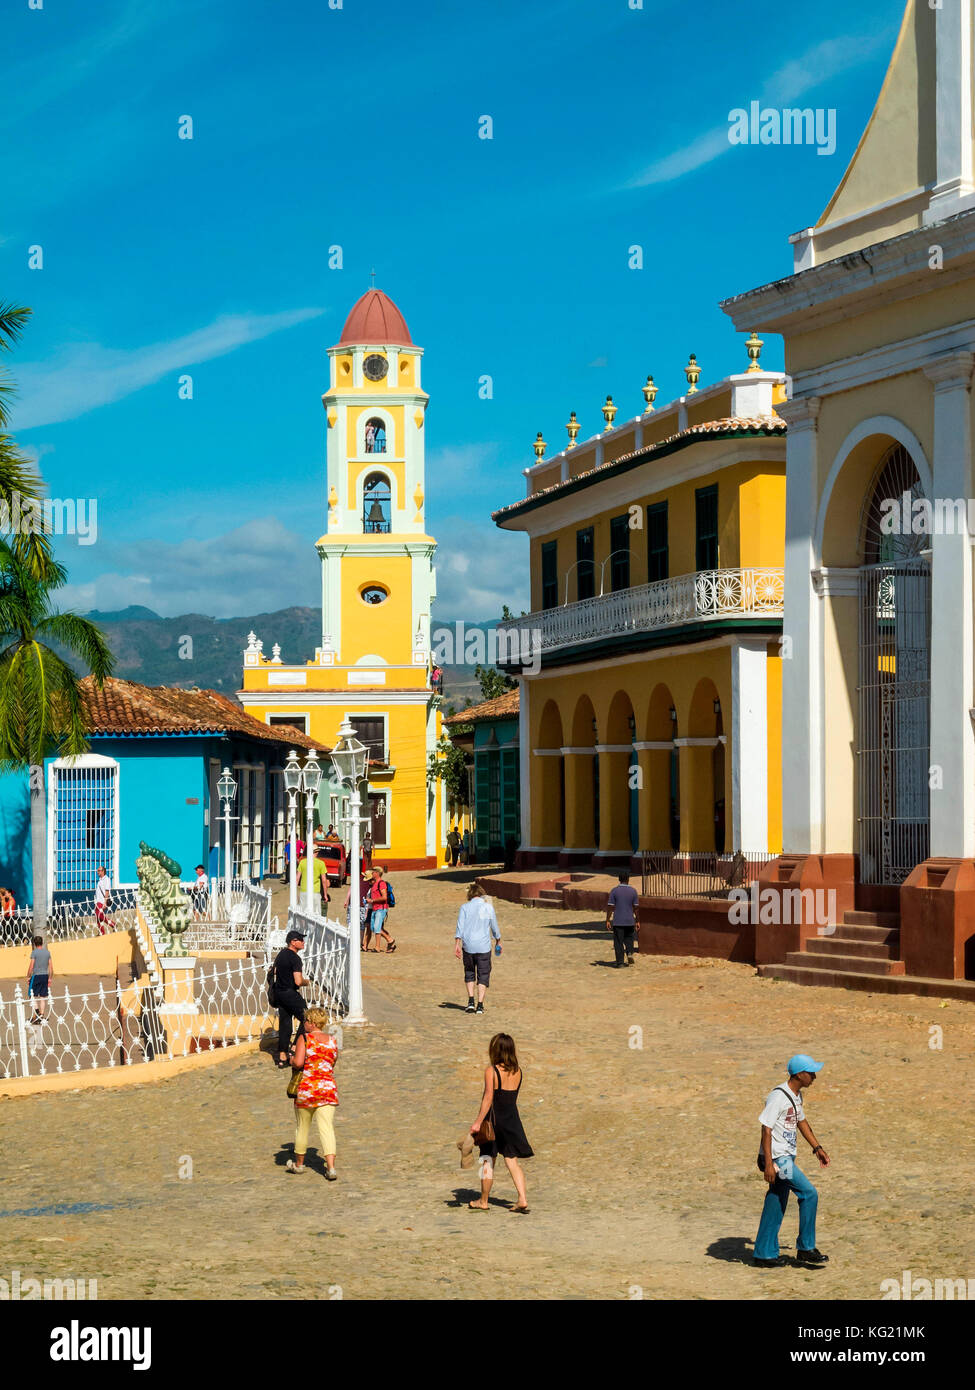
x=378, y=585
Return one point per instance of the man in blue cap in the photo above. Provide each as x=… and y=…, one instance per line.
x=781, y=1119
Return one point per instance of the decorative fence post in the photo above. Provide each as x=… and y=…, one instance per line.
x=21, y=1029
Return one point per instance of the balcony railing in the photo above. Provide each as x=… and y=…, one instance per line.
x=706, y=596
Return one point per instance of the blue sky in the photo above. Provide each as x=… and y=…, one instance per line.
x=359, y=127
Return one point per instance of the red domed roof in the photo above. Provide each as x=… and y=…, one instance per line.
x=375, y=319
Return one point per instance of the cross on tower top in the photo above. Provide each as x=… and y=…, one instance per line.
x=372, y=276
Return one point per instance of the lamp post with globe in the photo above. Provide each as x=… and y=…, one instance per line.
x=227, y=790
x=311, y=777
x=292, y=785
x=350, y=759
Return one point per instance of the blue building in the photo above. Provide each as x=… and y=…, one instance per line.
x=151, y=774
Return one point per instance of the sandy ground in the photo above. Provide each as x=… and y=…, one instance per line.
x=641, y=1096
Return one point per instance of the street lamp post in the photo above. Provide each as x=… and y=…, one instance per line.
x=350, y=759
x=227, y=790
x=292, y=785
x=311, y=776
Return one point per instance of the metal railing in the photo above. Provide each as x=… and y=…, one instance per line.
x=118, y=1025
x=69, y=921
x=325, y=958
x=698, y=873
x=703, y=596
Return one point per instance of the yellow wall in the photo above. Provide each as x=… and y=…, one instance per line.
x=751, y=527
x=385, y=629
x=92, y=955
x=689, y=680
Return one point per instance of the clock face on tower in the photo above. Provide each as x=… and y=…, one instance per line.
x=375, y=367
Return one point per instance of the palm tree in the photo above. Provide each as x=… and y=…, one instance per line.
x=41, y=708
x=18, y=475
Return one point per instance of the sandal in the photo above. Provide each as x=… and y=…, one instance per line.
x=292, y=1167
x=523, y=1211
x=475, y=1206
x=331, y=1175
x=391, y=947
x=281, y=1061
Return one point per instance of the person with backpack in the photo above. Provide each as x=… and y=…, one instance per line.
x=781, y=1119
x=287, y=980
x=379, y=905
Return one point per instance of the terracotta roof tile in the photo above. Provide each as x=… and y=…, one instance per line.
x=504, y=706
x=123, y=707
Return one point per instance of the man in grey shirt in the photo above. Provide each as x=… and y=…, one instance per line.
x=40, y=973
x=623, y=918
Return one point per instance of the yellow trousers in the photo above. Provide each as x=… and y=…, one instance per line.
x=326, y=1128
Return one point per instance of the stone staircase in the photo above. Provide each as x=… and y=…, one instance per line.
x=864, y=946
x=552, y=897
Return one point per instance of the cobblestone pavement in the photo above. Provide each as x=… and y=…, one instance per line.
x=641, y=1098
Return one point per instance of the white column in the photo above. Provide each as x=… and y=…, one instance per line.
x=524, y=766
x=952, y=743
x=749, y=748
x=802, y=664
x=953, y=114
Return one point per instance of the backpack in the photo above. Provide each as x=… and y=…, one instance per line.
x=272, y=993
x=390, y=895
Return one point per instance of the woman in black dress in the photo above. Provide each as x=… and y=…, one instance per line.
x=499, y=1104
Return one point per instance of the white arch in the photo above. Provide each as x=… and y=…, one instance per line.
x=386, y=472
x=877, y=424
x=375, y=413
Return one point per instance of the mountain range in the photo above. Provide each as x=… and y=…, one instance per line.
x=196, y=650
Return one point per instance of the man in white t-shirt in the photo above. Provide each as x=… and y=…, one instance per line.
x=103, y=899
x=782, y=1118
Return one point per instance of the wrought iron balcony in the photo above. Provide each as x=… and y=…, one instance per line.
x=705, y=596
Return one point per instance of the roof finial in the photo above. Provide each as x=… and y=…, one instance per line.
x=372, y=276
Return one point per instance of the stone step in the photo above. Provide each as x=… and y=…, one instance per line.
x=842, y=945
x=873, y=919
x=874, y=984
x=879, y=936
x=857, y=965
x=550, y=895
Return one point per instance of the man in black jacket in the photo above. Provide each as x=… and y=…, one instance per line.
x=288, y=979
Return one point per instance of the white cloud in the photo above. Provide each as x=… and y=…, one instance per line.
x=479, y=568
x=88, y=375
x=826, y=61
x=257, y=568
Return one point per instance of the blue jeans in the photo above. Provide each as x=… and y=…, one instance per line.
x=790, y=1179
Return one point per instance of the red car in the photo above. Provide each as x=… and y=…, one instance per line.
x=334, y=856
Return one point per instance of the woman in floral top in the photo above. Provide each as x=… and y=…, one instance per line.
x=315, y=1052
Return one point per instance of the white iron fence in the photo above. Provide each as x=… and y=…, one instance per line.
x=325, y=959
x=68, y=921
x=120, y=1025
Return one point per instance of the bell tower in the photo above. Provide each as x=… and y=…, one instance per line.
x=377, y=571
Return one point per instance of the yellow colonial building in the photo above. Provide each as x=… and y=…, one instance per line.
x=649, y=668
x=378, y=585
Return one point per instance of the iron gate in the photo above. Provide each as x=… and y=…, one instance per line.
x=893, y=736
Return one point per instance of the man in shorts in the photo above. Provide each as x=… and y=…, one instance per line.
x=476, y=924
x=40, y=973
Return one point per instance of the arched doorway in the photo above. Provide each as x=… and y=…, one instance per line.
x=893, y=734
